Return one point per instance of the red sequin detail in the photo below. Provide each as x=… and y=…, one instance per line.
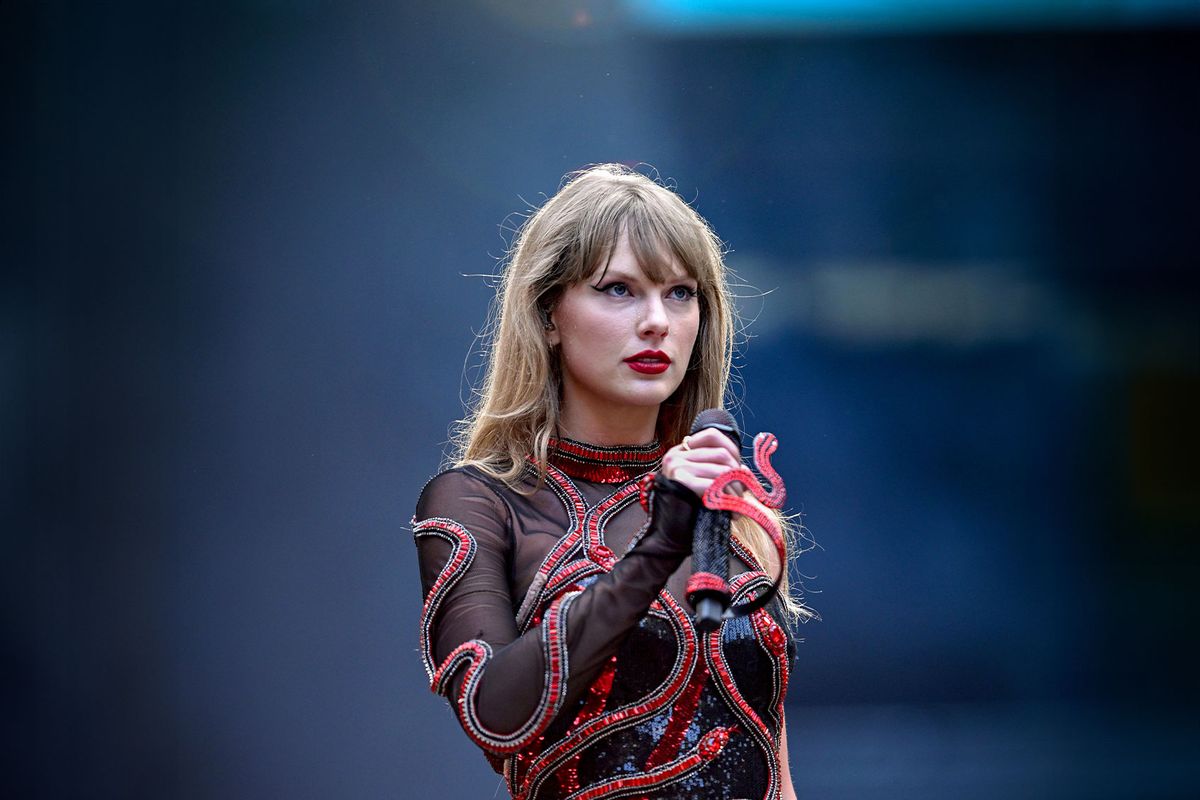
x=708, y=749
x=476, y=653
x=743, y=552
x=598, y=517
x=715, y=655
x=717, y=499
x=569, y=574
x=604, y=555
x=460, y=559
x=645, y=485
x=568, y=774
x=588, y=526
x=572, y=500
x=713, y=742
x=604, y=464
x=531, y=765
x=585, y=734
x=775, y=638
x=682, y=714
x=707, y=582
x=576, y=508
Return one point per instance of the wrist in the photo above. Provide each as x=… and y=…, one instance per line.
x=672, y=507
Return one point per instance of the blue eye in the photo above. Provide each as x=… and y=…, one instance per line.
x=615, y=289
x=683, y=293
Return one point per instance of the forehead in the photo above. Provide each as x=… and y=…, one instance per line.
x=654, y=264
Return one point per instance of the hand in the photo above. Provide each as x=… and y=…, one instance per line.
x=700, y=459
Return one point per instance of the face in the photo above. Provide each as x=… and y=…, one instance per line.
x=625, y=341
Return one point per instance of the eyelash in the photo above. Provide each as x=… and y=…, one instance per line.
x=689, y=292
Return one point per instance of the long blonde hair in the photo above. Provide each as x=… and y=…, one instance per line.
x=560, y=245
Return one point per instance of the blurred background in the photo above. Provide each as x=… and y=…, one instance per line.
x=241, y=286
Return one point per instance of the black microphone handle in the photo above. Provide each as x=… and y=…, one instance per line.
x=709, y=613
x=710, y=540
x=710, y=553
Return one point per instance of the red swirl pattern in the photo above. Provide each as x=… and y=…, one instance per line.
x=706, y=750
x=533, y=768
x=460, y=559
x=476, y=653
x=717, y=499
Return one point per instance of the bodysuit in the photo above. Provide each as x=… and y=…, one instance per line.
x=555, y=622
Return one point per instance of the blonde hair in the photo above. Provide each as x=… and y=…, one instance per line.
x=560, y=245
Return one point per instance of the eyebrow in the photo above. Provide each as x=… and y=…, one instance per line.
x=610, y=274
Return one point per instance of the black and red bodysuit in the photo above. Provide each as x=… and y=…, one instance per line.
x=555, y=621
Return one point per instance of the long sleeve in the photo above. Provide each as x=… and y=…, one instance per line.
x=507, y=687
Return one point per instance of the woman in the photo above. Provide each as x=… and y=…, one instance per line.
x=555, y=616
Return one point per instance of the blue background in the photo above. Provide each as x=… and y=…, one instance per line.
x=241, y=287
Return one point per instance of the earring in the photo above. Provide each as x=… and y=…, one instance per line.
x=547, y=325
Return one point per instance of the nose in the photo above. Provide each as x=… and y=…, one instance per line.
x=654, y=321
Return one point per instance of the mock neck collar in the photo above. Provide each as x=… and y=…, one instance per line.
x=604, y=463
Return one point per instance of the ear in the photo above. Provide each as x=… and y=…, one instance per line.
x=546, y=316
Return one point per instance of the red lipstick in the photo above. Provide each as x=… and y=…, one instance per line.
x=649, y=362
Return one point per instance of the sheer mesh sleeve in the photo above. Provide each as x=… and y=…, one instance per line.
x=507, y=688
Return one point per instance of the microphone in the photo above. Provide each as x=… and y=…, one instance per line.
x=708, y=588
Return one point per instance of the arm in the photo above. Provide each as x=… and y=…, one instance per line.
x=787, y=792
x=507, y=688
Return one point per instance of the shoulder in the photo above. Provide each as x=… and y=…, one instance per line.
x=466, y=495
x=457, y=479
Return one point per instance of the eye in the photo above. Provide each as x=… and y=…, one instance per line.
x=614, y=289
x=682, y=292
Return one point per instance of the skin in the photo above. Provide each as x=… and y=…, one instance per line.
x=617, y=313
x=787, y=791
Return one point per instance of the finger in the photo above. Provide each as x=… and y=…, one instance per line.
x=707, y=437
x=711, y=437
x=712, y=455
x=697, y=485
x=673, y=461
x=704, y=471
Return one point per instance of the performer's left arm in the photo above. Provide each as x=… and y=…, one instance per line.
x=788, y=792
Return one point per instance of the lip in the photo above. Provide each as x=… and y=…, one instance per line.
x=649, y=362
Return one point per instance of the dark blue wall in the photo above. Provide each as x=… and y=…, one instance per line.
x=237, y=328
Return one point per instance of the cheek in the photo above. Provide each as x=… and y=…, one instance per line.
x=589, y=331
x=587, y=337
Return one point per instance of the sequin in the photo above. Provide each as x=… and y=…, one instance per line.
x=568, y=774
x=682, y=716
x=712, y=742
x=604, y=464
x=674, y=715
x=706, y=582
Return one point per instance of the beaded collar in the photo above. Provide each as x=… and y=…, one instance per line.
x=600, y=464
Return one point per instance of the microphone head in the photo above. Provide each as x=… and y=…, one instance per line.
x=720, y=419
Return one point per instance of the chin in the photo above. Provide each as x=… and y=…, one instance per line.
x=650, y=396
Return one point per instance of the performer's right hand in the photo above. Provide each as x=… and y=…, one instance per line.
x=700, y=458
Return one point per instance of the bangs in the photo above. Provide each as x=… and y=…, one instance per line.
x=662, y=233
x=658, y=242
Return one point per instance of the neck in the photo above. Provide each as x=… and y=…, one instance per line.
x=634, y=425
